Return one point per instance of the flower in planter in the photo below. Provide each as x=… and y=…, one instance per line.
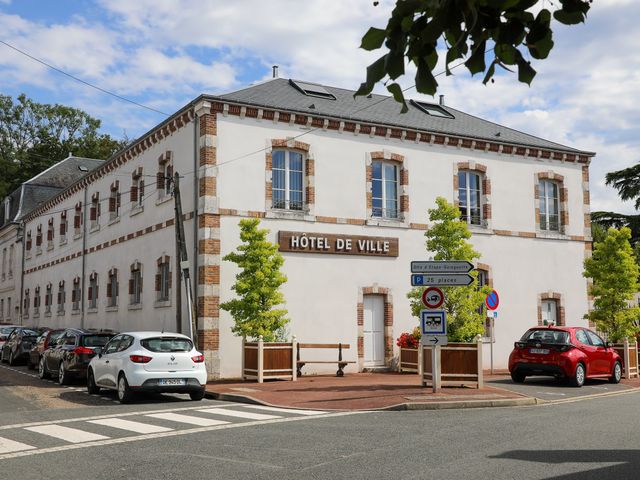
x=409, y=340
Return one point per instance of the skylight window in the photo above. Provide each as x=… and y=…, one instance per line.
x=312, y=89
x=431, y=109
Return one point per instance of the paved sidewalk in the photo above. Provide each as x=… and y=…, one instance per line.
x=363, y=391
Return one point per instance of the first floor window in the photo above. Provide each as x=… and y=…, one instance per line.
x=76, y=294
x=470, y=197
x=48, y=298
x=135, y=285
x=288, y=179
x=549, y=312
x=61, y=297
x=112, y=288
x=93, y=291
x=384, y=190
x=549, y=206
x=163, y=281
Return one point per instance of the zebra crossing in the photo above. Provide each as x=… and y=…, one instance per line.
x=55, y=436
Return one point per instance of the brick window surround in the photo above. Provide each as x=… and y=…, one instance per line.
x=560, y=313
x=485, y=196
x=388, y=323
x=562, y=200
x=403, y=184
x=309, y=174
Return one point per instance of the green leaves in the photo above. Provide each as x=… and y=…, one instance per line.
x=615, y=279
x=447, y=240
x=257, y=285
x=466, y=29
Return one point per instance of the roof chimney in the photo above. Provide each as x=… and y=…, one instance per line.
x=275, y=71
x=442, y=100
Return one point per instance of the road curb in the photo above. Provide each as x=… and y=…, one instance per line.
x=507, y=402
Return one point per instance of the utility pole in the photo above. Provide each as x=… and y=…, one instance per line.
x=183, y=259
x=177, y=219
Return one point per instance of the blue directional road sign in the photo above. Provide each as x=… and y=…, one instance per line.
x=451, y=280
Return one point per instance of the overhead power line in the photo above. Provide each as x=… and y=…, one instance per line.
x=119, y=97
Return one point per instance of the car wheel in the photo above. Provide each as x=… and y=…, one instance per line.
x=617, y=373
x=518, y=377
x=62, y=374
x=124, y=392
x=578, y=377
x=42, y=369
x=92, y=388
x=197, y=396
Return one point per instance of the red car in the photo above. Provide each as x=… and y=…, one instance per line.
x=574, y=353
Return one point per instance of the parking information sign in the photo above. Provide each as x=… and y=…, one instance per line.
x=433, y=322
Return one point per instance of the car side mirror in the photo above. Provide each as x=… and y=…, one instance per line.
x=98, y=351
x=608, y=344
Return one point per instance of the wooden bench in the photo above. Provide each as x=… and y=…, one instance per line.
x=341, y=363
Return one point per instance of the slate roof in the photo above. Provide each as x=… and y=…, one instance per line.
x=46, y=185
x=280, y=94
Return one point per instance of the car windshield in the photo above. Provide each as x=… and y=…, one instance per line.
x=167, y=344
x=7, y=330
x=546, y=336
x=29, y=333
x=95, y=340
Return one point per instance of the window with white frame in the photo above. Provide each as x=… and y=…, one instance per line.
x=94, y=211
x=384, y=189
x=92, y=294
x=9, y=308
x=77, y=219
x=163, y=279
x=64, y=225
x=48, y=299
x=549, y=205
x=549, y=312
x=135, y=284
x=36, y=301
x=112, y=288
x=10, y=266
x=25, y=304
x=287, y=170
x=114, y=201
x=50, y=233
x=164, y=175
x=136, y=194
x=39, y=239
x=4, y=262
x=470, y=197
x=76, y=295
x=61, y=297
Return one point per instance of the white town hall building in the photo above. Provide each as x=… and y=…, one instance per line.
x=344, y=186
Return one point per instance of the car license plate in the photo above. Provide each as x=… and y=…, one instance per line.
x=172, y=381
x=539, y=351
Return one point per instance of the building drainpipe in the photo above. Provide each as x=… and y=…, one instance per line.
x=196, y=180
x=84, y=260
x=22, y=227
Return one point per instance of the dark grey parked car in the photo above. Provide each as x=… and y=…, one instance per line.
x=18, y=344
x=71, y=353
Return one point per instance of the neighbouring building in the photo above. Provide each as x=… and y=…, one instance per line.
x=14, y=207
x=344, y=186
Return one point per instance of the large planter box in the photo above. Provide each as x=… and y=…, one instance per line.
x=409, y=361
x=629, y=353
x=460, y=365
x=268, y=360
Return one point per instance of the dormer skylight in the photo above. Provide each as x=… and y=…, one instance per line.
x=431, y=109
x=312, y=89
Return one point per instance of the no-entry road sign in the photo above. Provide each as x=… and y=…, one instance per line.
x=432, y=297
x=492, y=301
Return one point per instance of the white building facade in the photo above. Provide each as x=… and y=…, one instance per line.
x=344, y=186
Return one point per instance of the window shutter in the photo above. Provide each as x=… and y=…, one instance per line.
x=131, y=286
x=29, y=244
x=141, y=283
x=112, y=204
x=63, y=228
x=142, y=189
x=76, y=221
x=96, y=292
x=46, y=299
x=59, y=298
x=170, y=171
x=109, y=290
x=170, y=279
x=92, y=213
x=160, y=180
x=134, y=193
x=118, y=199
x=158, y=280
x=73, y=295
x=90, y=293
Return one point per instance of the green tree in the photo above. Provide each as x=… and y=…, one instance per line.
x=469, y=30
x=447, y=239
x=34, y=136
x=257, y=285
x=615, y=279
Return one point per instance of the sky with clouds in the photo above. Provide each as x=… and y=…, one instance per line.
x=164, y=53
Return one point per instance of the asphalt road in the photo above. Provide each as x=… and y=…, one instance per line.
x=167, y=436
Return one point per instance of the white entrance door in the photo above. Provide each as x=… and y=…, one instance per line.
x=373, y=330
x=549, y=312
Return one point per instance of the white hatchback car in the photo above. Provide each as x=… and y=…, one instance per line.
x=148, y=362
